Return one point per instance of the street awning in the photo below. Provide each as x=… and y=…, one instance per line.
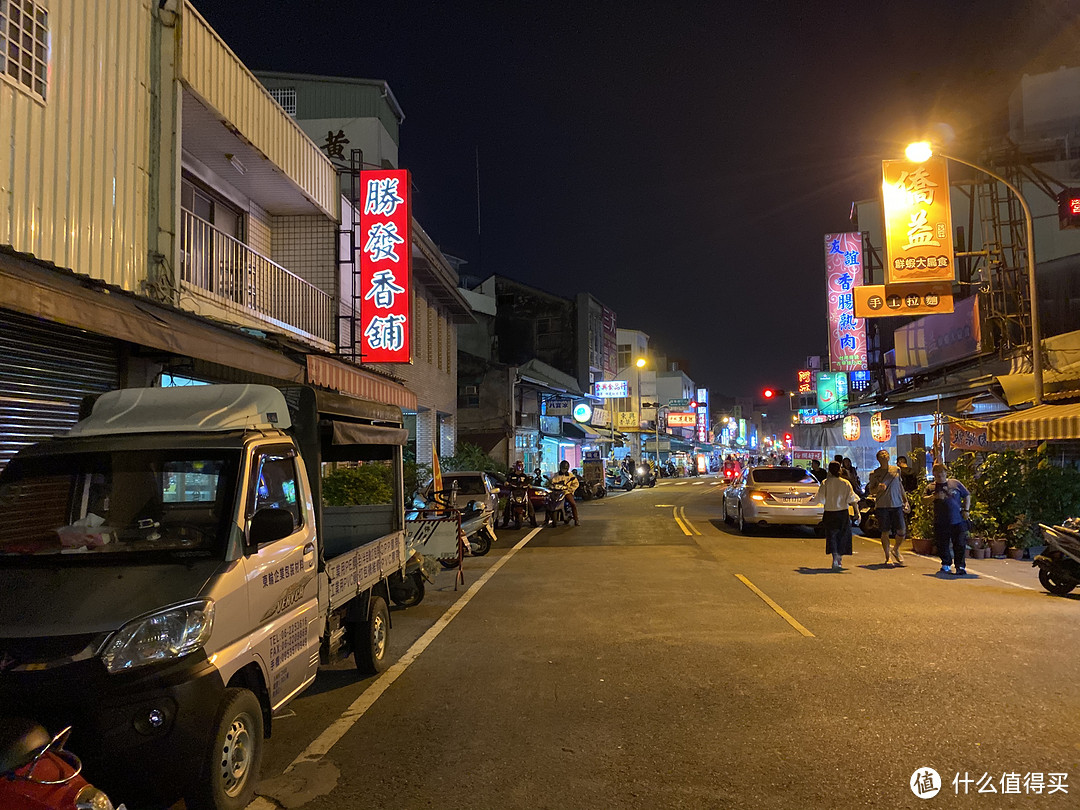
x=64, y=297
x=1040, y=423
x=600, y=434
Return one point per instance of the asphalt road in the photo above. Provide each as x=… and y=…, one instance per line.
x=636, y=662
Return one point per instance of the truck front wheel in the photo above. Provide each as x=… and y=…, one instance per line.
x=232, y=764
x=371, y=639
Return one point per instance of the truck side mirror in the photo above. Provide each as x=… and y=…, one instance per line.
x=267, y=525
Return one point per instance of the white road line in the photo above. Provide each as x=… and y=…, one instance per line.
x=336, y=730
x=937, y=563
x=998, y=579
x=698, y=483
x=681, y=483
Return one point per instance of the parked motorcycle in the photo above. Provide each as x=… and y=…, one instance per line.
x=868, y=522
x=38, y=773
x=1059, y=564
x=556, y=507
x=478, y=524
x=618, y=479
x=587, y=490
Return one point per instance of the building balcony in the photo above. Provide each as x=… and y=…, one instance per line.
x=234, y=282
x=234, y=128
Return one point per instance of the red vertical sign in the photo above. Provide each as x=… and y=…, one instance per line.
x=385, y=266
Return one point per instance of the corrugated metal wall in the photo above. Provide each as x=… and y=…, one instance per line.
x=73, y=172
x=215, y=73
x=45, y=371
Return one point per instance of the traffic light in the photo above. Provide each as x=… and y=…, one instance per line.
x=693, y=404
x=772, y=393
x=1069, y=208
x=787, y=439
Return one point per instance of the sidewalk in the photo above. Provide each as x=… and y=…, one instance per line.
x=1018, y=573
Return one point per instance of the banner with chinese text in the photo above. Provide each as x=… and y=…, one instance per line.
x=843, y=273
x=385, y=242
x=918, y=221
x=968, y=436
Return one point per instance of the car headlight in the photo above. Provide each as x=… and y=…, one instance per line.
x=90, y=798
x=168, y=634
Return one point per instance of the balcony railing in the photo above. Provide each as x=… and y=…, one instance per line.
x=229, y=270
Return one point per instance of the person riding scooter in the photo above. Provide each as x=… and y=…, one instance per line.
x=517, y=479
x=566, y=480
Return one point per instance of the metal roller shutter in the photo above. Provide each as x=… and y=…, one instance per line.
x=45, y=371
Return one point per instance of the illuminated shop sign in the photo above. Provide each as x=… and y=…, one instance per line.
x=612, y=389
x=385, y=266
x=843, y=273
x=918, y=221
x=832, y=393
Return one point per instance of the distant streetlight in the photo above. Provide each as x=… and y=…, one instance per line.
x=920, y=152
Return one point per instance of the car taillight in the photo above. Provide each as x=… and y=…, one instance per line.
x=762, y=496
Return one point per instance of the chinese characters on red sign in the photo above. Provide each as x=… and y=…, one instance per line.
x=385, y=265
x=843, y=272
x=806, y=381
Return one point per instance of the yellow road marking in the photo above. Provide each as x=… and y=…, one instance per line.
x=783, y=613
x=675, y=514
x=686, y=520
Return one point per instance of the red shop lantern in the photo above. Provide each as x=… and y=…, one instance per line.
x=852, y=428
x=880, y=428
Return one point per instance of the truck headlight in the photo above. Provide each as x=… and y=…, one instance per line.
x=162, y=636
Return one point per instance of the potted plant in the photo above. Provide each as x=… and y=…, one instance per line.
x=983, y=528
x=921, y=525
x=1019, y=535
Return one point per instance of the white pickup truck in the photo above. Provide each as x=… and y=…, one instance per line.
x=170, y=578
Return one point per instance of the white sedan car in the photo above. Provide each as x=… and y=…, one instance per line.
x=778, y=496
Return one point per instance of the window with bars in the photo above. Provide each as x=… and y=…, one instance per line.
x=286, y=97
x=24, y=45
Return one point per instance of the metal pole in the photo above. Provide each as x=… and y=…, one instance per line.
x=640, y=443
x=1033, y=292
x=657, y=448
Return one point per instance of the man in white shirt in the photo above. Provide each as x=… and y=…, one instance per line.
x=837, y=495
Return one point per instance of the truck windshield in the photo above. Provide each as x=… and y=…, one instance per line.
x=135, y=501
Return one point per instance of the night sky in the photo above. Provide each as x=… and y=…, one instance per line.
x=680, y=161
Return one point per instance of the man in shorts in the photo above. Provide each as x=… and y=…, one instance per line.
x=890, y=504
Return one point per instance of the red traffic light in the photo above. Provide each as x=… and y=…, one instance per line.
x=787, y=438
x=772, y=393
x=693, y=403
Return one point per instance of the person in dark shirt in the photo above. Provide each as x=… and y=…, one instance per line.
x=817, y=470
x=909, y=479
x=951, y=503
x=518, y=479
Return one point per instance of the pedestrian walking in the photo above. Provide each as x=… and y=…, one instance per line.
x=817, y=470
x=890, y=504
x=852, y=475
x=951, y=503
x=836, y=494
